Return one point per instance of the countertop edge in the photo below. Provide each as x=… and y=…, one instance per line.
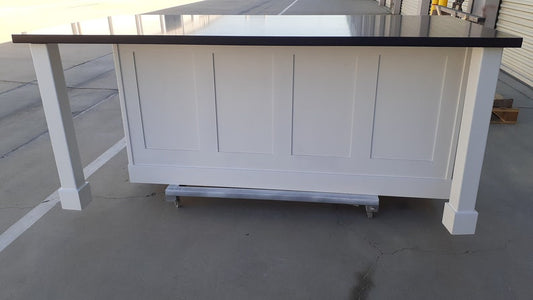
x=488, y=42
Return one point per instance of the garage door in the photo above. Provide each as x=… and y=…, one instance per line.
x=516, y=17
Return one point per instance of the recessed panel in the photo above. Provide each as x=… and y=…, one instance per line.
x=407, y=107
x=243, y=95
x=167, y=98
x=323, y=104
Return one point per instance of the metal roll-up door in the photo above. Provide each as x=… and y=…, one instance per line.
x=410, y=7
x=516, y=17
x=415, y=7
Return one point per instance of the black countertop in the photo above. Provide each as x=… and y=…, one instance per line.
x=284, y=30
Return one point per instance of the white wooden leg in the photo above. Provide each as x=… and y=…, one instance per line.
x=460, y=216
x=75, y=192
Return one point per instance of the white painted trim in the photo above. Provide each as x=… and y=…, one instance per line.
x=24, y=223
x=104, y=158
x=459, y=222
x=121, y=94
x=460, y=216
x=75, y=191
x=284, y=180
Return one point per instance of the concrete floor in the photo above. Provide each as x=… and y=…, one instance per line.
x=130, y=244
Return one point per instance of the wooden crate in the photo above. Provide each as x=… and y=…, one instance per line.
x=502, y=115
x=501, y=101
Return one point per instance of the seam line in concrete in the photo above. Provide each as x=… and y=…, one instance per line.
x=13, y=81
x=24, y=223
x=34, y=82
x=85, y=62
x=17, y=87
x=74, y=115
x=88, y=88
x=77, y=65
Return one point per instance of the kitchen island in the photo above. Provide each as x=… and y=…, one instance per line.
x=354, y=105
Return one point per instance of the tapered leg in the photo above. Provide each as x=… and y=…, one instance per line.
x=75, y=192
x=460, y=216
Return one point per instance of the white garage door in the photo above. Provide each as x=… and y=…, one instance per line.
x=415, y=7
x=516, y=17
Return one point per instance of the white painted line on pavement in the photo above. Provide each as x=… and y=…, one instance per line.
x=283, y=11
x=105, y=157
x=24, y=223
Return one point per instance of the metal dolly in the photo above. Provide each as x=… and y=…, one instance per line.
x=173, y=193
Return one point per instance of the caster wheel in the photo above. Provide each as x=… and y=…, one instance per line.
x=371, y=210
x=177, y=202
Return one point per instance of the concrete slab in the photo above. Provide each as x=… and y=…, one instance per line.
x=28, y=175
x=27, y=170
x=12, y=101
x=21, y=108
x=98, y=73
x=26, y=178
x=16, y=64
x=509, y=87
x=517, y=85
x=27, y=97
x=259, y=247
x=76, y=54
x=130, y=243
x=29, y=122
x=6, y=86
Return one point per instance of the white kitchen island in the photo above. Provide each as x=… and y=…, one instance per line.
x=364, y=105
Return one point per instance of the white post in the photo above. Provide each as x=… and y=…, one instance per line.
x=460, y=216
x=487, y=9
x=75, y=192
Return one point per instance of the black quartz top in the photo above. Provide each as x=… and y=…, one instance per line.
x=274, y=30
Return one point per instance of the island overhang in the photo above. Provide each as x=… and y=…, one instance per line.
x=304, y=30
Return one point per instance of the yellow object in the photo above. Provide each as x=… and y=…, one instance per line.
x=437, y=2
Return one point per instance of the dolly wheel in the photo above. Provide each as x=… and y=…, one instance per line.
x=371, y=210
x=177, y=202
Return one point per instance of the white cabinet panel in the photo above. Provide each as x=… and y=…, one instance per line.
x=383, y=120
x=415, y=118
x=323, y=104
x=244, y=99
x=167, y=98
x=407, y=108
